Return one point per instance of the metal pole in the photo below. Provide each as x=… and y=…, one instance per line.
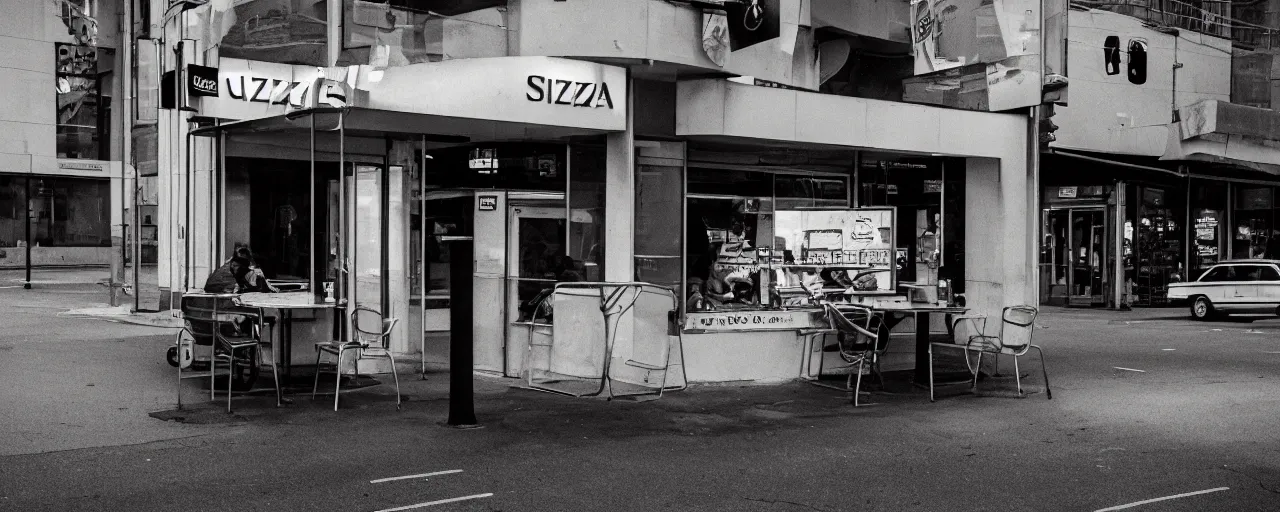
x=27, y=285
x=315, y=267
x=343, y=271
x=462, y=413
x=422, y=254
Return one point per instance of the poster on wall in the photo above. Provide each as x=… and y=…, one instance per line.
x=852, y=250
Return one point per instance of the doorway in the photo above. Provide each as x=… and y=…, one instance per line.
x=1074, y=255
x=535, y=261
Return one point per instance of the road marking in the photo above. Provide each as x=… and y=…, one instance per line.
x=1272, y=352
x=1168, y=349
x=440, y=502
x=406, y=477
x=1144, y=502
x=1129, y=369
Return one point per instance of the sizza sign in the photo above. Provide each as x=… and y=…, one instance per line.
x=568, y=92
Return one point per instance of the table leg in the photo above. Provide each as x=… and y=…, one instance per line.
x=922, y=348
x=286, y=338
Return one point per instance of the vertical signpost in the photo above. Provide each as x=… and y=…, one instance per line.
x=462, y=413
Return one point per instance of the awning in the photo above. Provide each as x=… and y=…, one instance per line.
x=491, y=99
x=1226, y=133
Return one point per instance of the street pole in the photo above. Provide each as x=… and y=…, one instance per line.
x=27, y=285
x=462, y=413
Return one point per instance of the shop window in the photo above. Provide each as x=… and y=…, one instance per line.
x=1253, y=235
x=1208, y=222
x=1155, y=243
x=1137, y=62
x=730, y=236
x=70, y=212
x=13, y=211
x=659, y=213
x=930, y=240
x=83, y=102
x=586, y=212
x=520, y=166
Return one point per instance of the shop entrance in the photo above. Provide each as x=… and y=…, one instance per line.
x=1073, y=264
x=536, y=259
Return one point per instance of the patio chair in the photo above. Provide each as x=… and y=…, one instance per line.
x=1017, y=325
x=858, y=344
x=209, y=321
x=368, y=343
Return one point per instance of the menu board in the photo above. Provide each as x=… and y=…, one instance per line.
x=850, y=248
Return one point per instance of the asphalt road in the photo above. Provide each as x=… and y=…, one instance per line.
x=76, y=434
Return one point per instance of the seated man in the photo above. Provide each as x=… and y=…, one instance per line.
x=238, y=275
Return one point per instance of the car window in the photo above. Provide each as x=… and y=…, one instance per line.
x=1270, y=274
x=1249, y=273
x=1218, y=274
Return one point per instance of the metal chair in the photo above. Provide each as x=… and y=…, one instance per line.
x=367, y=344
x=1017, y=325
x=207, y=317
x=858, y=344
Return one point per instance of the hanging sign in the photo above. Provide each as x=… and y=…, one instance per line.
x=202, y=80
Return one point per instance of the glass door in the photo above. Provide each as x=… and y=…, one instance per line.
x=365, y=248
x=1055, y=257
x=1088, y=243
x=536, y=259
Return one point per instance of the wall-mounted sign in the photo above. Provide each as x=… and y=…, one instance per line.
x=568, y=92
x=932, y=186
x=202, y=80
x=82, y=166
x=488, y=203
x=1067, y=192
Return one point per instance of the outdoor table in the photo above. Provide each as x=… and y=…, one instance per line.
x=285, y=303
x=921, y=311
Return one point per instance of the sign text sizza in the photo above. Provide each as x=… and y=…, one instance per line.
x=569, y=92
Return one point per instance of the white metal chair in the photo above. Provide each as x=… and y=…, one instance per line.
x=1017, y=325
x=367, y=344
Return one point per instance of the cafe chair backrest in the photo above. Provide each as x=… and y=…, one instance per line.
x=370, y=327
x=1017, y=326
x=858, y=328
x=202, y=312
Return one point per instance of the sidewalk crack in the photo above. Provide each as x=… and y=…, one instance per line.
x=774, y=502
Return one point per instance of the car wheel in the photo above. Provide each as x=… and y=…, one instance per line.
x=1201, y=308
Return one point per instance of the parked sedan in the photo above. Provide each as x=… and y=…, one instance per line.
x=1248, y=287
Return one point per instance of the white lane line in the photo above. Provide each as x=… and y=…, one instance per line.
x=1168, y=349
x=439, y=502
x=406, y=477
x=1129, y=369
x=1271, y=352
x=1144, y=502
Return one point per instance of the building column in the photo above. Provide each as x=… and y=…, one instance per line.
x=619, y=200
x=997, y=237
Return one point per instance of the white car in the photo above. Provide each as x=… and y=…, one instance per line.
x=1249, y=287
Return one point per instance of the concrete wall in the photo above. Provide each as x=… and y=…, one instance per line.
x=16, y=257
x=1109, y=114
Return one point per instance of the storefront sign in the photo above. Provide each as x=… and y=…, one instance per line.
x=1067, y=192
x=202, y=80
x=248, y=89
x=932, y=186
x=727, y=321
x=568, y=92
x=488, y=203
x=81, y=166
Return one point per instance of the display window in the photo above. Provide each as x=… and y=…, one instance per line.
x=732, y=248
x=1208, y=225
x=1253, y=231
